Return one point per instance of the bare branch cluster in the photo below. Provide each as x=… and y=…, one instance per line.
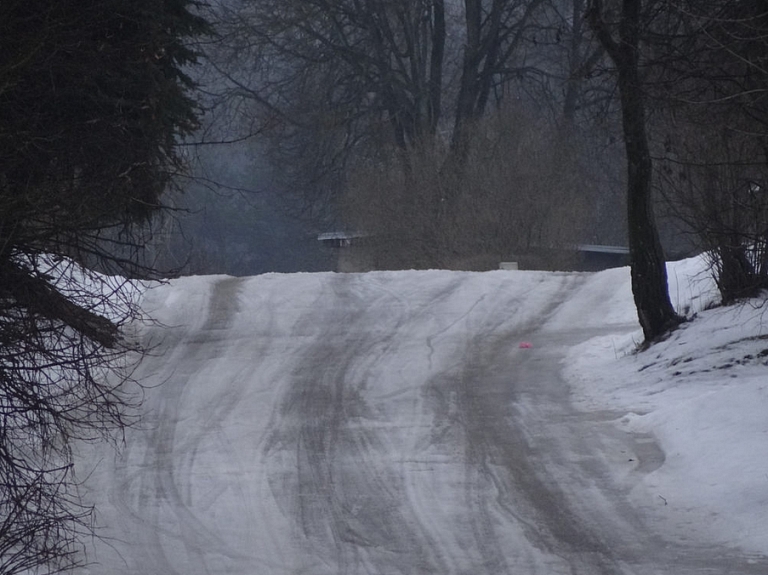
x=525, y=197
x=341, y=88
x=710, y=77
x=93, y=98
x=64, y=377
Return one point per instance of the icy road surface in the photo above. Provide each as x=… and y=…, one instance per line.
x=382, y=423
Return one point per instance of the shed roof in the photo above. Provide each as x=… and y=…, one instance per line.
x=600, y=249
x=328, y=236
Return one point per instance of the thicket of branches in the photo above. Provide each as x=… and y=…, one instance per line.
x=524, y=195
x=60, y=382
x=694, y=79
x=406, y=93
x=387, y=104
x=93, y=98
x=712, y=85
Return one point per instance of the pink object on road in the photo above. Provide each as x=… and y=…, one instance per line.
x=525, y=345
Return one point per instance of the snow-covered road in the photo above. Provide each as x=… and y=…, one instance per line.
x=381, y=423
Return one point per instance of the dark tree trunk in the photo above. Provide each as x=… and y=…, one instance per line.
x=648, y=268
x=573, y=87
x=436, y=65
x=469, y=85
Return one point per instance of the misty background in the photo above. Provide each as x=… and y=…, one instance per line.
x=300, y=139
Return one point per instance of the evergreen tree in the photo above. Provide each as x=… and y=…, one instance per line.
x=93, y=100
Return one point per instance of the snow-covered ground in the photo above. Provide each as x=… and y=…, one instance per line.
x=392, y=422
x=703, y=394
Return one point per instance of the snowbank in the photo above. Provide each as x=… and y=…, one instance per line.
x=703, y=394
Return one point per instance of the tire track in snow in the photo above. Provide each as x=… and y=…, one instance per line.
x=489, y=538
x=521, y=438
x=451, y=469
x=349, y=496
x=159, y=494
x=359, y=513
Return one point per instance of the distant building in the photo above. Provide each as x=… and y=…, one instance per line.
x=353, y=253
x=596, y=257
x=340, y=239
x=580, y=258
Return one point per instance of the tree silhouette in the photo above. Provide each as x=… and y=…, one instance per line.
x=93, y=100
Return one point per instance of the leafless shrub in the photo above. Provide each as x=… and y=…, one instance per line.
x=522, y=191
x=710, y=81
x=716, y=185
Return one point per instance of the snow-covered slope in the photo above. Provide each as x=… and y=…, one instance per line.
x=703, y=393
x=392, y=422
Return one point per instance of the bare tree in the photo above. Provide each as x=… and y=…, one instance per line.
x=375, y=74
x=342, y=87
x=378, y=60
x=64, y=378
x=526, y=196
x=648, y=267
x=711, y=81
x=495, y=32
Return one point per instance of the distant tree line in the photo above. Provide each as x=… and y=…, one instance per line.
x=408, y=95
x=393, y=110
